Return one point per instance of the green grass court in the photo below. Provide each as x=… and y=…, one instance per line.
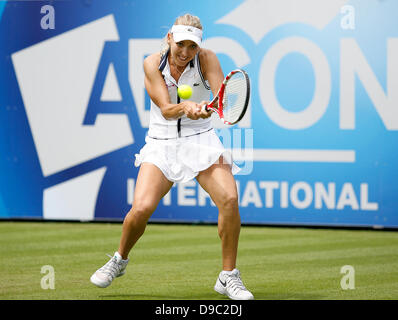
x=182, y=262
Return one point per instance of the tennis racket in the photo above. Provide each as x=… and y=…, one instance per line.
x=232, y=98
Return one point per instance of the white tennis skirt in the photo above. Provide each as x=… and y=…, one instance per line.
x=182, y=159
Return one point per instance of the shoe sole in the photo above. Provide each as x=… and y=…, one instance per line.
x=221, y=290
x=100, y=284
x=94, y=280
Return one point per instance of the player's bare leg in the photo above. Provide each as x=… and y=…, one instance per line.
x=150, y=188
x=219, y=182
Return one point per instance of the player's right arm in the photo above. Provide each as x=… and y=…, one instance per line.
x=157, y=90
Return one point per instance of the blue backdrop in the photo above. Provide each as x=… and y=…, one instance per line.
x=319, y=145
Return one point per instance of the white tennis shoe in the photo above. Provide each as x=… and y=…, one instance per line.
x=231, y=285
x=115, y=267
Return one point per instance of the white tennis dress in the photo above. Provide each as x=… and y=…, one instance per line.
x=181, y=148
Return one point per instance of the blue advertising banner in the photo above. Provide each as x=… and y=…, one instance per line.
x=318, y=145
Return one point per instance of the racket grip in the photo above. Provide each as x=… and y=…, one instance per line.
x=204, y=107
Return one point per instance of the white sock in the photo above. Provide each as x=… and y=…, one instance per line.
x=117, y=254
x=224, y=272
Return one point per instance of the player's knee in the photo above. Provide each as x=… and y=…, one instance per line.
x=229, y=202
x=142, y=209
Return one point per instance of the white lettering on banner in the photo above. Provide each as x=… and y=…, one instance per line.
x=294, y=195
x=251, y=195
x=300, y=195
x=365, y=205
x=284, y=195
x=267, y=92
x=269, y=187
x=111, y=89
x=327, y=197
x=185, y=194
x=167, y=199
x=347, y=197
x=130, y=190
x=352, y=63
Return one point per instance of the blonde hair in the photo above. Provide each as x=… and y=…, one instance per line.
x=186, y=20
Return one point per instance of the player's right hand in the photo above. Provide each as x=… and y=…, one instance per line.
x=192, y=110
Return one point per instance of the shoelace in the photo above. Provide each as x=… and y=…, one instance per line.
x=111, y=268
x=235, y=283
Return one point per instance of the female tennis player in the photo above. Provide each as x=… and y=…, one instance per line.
x=181, y=145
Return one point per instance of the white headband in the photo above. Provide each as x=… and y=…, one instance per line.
x=182, y=32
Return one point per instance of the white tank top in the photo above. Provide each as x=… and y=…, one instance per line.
x=160, y=127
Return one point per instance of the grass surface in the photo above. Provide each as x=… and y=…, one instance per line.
x=183, y=262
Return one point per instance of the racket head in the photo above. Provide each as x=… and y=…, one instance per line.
x=234, y=96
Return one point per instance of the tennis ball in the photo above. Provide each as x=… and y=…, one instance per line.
x=184, y=91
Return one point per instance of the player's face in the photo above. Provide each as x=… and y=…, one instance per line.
x=182, y=52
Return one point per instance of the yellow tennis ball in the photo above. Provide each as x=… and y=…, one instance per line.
x=184, y=91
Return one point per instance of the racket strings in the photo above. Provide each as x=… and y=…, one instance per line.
x=234, y=100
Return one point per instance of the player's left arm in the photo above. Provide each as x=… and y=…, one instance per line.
x=212, y=71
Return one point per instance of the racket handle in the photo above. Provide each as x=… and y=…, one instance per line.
x=204, y=107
